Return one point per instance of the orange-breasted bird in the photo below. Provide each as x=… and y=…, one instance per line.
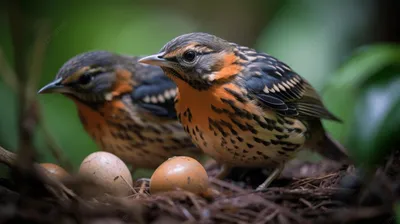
x=125, y=106
x=242, y=107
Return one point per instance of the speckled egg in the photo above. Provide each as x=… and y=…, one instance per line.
x=109, y=172
x=54, y=170
x=179, y=172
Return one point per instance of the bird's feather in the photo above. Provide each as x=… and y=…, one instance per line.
x=156, y=94
x=275, y=86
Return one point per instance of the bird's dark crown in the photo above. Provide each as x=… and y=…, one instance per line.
x=91, y=59
x=200, y=39
x=196, y=58
x=89, y=77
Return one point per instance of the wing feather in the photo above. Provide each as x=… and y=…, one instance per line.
x=275, y=86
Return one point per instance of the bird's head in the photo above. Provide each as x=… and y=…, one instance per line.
x=91, y=77
x=199, y=59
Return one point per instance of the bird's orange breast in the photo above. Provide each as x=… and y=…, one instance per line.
x=135, y=139
x=234, y=132
x=94, y=121
x=201, y=103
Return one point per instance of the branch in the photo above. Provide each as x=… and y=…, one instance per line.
x=11, y=160
x=7, y=157
x=26, y=116
x=29, y=115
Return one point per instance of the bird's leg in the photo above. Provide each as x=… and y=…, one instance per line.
x=224, y=172
x=275, y=174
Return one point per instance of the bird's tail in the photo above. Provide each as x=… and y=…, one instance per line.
x=332, y=149
x=326, y=146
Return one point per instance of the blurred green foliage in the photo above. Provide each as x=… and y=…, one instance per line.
x=369, y=83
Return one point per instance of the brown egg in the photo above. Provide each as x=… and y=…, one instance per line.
x=179, y=172
x=109, y=172
x=54, y=170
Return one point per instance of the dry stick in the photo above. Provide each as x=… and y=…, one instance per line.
x=283, y=210
x=36, y=70
x=226, y=185
x=311, y=179
x=7, y=157
x=269, y=217
x=226, y=217
x=187, y=214
x=195, y=203
x=307, y=203
x=129, y=185
x=240, y=217
x=250, y=213
x=26, y=119
x=11, y=160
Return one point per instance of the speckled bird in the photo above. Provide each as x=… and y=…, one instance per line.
x=125, y=106
x=242, y=107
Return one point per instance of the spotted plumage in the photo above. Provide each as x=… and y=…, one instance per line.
x=126, y=107
x=251, y=109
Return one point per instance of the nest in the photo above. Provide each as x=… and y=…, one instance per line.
x=306, y=192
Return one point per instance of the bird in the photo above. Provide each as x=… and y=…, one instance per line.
x=126, y=107
x=242, y=107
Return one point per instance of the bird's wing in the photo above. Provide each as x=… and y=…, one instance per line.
x=154, y=91
x=275, y=86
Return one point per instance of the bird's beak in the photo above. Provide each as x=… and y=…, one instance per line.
x=156, y=59
x=53, y=87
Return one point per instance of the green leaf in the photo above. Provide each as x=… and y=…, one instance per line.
x=376, y=122
x=343, y=89
x=365, y=63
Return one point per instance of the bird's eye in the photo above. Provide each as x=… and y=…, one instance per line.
x=189, y=56
x=85, y=79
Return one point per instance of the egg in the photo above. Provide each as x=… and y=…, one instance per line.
x=108, y=172
x=179, y=172
x=54, y=170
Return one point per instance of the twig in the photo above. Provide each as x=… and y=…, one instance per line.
x=26, y=116
x=7, y=157
x=11, y=159
x=267, y=218
x=226, y=185
x=307, y=203
x=29, y=90
x=195, y=203
x=284, y=211
x=187, y=214
x=129, y=185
